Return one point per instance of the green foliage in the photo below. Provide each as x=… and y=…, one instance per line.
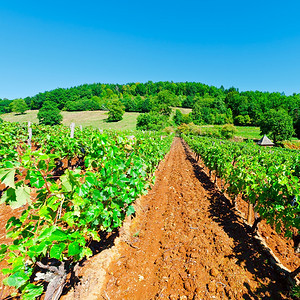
x=151, y=121
x=196, y=113
x=5, y=106
x=250, y=171
x=162, y=103
x=19, y=106
x=277, y=123
x=297, y=127
x=188, y=102
x=228, y=131
x=242, y=120
x=186, y=118
x=129, y=103
x=217, y=105
x=116, y=111
x=167, y=97
x=295, y=291
x=189, y=129
x=136, y=104
x=178, y=117
x=67, y=214
x=1, y=121
x=210, y=110
x=49, y=114
x=146, y=105
x=83, y=104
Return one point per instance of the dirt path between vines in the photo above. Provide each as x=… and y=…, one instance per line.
x=185, y=243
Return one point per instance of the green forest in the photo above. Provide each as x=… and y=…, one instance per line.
x=211, y=105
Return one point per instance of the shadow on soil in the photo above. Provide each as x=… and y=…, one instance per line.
x=247, y=249
x=107, y=240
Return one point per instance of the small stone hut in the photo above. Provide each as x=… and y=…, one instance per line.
x=265, y=141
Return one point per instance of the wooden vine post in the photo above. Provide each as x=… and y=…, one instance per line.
x=250, y=213
x=29, y=134
x=72, y=127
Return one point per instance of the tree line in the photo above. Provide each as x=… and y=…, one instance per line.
x=211, y=105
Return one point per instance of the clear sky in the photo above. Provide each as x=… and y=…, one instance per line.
x=251, y=45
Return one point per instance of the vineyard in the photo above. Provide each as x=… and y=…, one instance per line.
x=68, y=186
x=267, y=179
x=70, y=189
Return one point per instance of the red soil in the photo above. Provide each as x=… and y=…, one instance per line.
x=184, y=243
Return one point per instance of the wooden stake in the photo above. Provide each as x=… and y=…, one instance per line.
x=29, y=134
x=250, y=211
x=72, y=127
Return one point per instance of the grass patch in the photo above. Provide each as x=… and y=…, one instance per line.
x=248, y=132
x=242, y=131
x=85, y=118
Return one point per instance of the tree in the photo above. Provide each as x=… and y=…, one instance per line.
x=197, y=113
x=242, y=120
x=297, y=127
x=163, y=101
x=146, y=105
x=277, y=123
x=151, y=121
x=5, y=106
x=19, y=106
x=188, y=102
x=116, y=111
x=49, y=114
x=178, y=117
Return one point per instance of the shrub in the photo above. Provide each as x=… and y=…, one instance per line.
x=49, y=114
x=242, y=120
x=168, y=130
x=228, y=131
x=19, y=106
x=116, y=111
x=190, y=128
x=151, y=121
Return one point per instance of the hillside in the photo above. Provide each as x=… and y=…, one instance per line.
x=84, y=118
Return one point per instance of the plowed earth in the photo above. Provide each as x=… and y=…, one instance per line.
x=184, y=243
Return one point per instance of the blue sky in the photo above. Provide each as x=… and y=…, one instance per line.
x=251, y=45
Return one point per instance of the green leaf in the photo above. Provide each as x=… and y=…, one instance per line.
x=69, y=218
x=36, y=250
x=22, y=197
x=66, y=183
x=37, y=180
x=57, y=250
x=130, y=210
x=47, y=213
x=7, y=176
x=58, y=235
x=96, y=194
x=32, y=291
x=74, y=249
x=90, y=181
x=17, y=279
x=46, y=232
x=3, y=248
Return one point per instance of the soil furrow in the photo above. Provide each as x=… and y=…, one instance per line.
x=185, y=243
